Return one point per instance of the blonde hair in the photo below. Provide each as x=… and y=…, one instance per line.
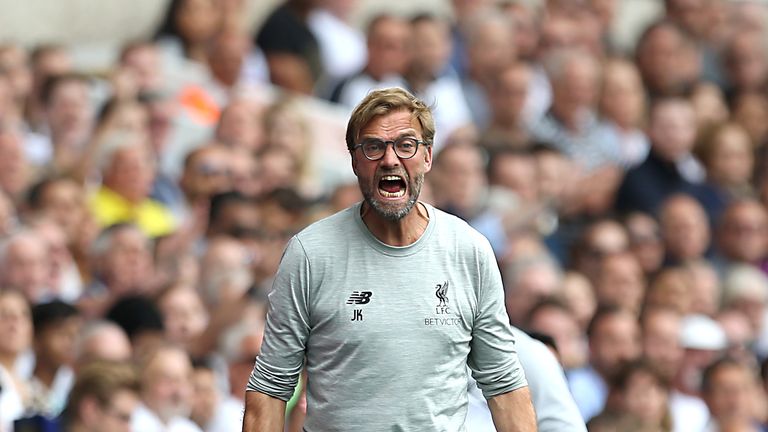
x=382, y=102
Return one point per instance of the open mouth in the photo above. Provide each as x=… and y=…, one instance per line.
x=392, y=186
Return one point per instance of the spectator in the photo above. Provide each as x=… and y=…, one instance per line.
x=166, y=392
x=69, y=114
x=621, y=282
x=552, y=318
x=102, y=340
x=122, y=263
x=15, y=169
x=745, y=289
x=664, y=55
x=388, y=56
x=103, y=399
x=614, y=340
x=25, y=266
x=729, y=388
x=56, y=326
x=128, y=171
x=291, y=50
x=622, y=103
x=670, y=167
x=641, y=392
x=431, y=78
x=741, y=235
x=729, y=158
x=684, y=229
x=213, y=410
x=488, y=52
x=572, y=125
x=15, y=339
x=332, y=27
x=507, y=97
x=645, y=241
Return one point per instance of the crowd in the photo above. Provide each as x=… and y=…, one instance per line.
x=144, y=208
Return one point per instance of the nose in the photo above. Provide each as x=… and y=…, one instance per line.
x=390, y=158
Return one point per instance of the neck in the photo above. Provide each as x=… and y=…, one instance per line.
x=45, y=373
x=8, y=361
x=404, y=232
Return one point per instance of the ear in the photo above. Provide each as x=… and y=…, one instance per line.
x=428, y=159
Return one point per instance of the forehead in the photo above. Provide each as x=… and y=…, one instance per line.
x=392, y=124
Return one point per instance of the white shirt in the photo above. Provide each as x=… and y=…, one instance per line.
x=144, y=420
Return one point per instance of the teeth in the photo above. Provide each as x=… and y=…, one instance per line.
x=392, y=178
x=386, y=194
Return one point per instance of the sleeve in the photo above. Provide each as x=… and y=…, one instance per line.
x=281, y=359
x=493, y=357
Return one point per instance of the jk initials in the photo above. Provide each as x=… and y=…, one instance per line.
x=357, y=315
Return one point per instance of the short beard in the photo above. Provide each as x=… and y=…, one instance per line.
x=395, y=215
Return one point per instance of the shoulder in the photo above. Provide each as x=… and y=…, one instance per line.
x=452, y=229
x=331, y=228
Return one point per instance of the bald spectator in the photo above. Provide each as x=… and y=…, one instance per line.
x=388, y=38
x=102, y=340
x=25, y=266
x=166, y=392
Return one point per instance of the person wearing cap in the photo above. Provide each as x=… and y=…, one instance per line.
x=703, y=340
x=388, y=301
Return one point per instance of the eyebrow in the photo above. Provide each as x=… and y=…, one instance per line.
x=410, y=133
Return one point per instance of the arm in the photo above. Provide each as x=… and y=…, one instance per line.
x=263, y=413
x=513, y=411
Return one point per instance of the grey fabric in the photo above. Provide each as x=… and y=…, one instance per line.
x=387, y=331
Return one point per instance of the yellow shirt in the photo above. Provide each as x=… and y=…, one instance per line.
x=152, y=217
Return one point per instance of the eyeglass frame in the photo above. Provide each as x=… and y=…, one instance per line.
x=394, y=148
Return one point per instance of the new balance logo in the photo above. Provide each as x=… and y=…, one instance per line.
x=360, y=297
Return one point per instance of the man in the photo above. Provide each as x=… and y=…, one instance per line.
x=403, y=297
x=103, y=398
x=166, y=392
x=614, y=340
x=56, y=325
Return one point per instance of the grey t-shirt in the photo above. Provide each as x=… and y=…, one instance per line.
x=387, y=331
